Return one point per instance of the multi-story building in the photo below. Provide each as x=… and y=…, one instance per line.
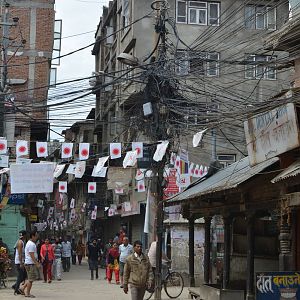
x=27, y=42
x=216, y=57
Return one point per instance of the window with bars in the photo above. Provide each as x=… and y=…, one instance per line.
x=226, y=159
x=198, y=12
x=260, y=17
x=197, y=63
x=260, y=67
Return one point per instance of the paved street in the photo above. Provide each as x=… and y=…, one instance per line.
x=75, y=285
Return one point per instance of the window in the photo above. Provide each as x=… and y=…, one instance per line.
x=260, y=17
x=125, y=13
x=197, y=63
x=260, y=67
x=198, y=12
x=226, y=159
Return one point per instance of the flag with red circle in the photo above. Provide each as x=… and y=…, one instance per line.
x=3, y=146
x=84, y=151
x=41, y=149
x=115, y=150
x=130, y=159
x=21, y=148
x=178, y=164
x=92, y=188
x=138, y=146
x=201, y=171
x=141, y=186
x=191, y=169
x=63, y=186
x=66, y=150
x=197, y=171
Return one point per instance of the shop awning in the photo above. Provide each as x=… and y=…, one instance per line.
x=228, y=178
x=291, y=171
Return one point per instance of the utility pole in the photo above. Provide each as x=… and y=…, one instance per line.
x=4, y=45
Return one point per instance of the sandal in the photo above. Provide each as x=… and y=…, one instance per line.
x=29, y=296
x=21, y=292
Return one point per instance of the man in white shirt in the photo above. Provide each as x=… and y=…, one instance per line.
x=31, y=262
x=125, y=250
x=66, y=255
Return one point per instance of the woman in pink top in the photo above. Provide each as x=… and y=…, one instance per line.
x=47, y=257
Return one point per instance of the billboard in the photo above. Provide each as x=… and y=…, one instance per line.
x=278, y=285
x=272, y=133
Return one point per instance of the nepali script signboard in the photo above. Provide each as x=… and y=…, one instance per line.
x=272, y=133
x=278, y=286
x=31, y=178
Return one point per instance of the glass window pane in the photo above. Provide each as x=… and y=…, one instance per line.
x=202, y=16
x=271, y=17
x=212, y=64
x=250, y=67
x=193, y=16
x=250, y=17
x=260, y=67
x=260, y=17
x=213, y=13
x=197, y=4
x=181, y=9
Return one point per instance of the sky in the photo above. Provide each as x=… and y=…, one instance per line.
x=78, y=16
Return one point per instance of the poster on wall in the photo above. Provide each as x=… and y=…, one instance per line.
x=278, y=285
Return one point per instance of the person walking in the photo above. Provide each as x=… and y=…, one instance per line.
x=125, y=250
x=137, y=273
x=19, y=263
x=80, y=249
x=107, y=247
x=113, y=263
x=31, y=263
x=73, y=246
x=47, y=258
x=66, y=255
x=93, y=254
x=57, y=248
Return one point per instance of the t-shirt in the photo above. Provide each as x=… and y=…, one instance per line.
x=67, y=249
x=125, y=251
x=30, y=248
x=57, y=250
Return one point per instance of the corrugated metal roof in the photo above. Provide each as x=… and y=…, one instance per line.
x=290, y=171
x=225, y=179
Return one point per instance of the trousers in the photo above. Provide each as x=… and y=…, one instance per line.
x=109, y=272
x=21, y=276
x=47, y=270
x=66, y=264
x=137, y=293
x=57, y=268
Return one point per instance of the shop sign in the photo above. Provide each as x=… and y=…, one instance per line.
x=278, y=285
x=172, y=187
x=33, y=218
x=272, y=133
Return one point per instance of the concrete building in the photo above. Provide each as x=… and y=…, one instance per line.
x=27, y=36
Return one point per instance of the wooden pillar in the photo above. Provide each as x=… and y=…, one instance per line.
x=250, y=219
x=207, y=249
x=192, y=250
x=227, y=249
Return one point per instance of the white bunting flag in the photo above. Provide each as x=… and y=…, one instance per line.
x=197, y=171
x=119, y=191
x=73, y=214
x=197, y=138
x=102, y=172
x=66, y=150
x=21, y=148
x=58, y=170
x=71, y=169
x=3, y=146
x=160, y=151
x=191, y=169
x=115, y=150
x=138, y=146
x=130, y=159
x=141, y=186
x=173, y=158
x=94, y=215
x=23, y=160
x=63, y=187
x=92, y=187
x=72, y=203
x=51, y=211
x=185, y=180
x=84, y=151
x=41, y=149
x=4, y=161
x=111, y=212
x=61, y=199
x=205, y=171
x=201, y=171
x=80, y=169
x=101, y=162
x=177, y=164
x=140, y=174
x=83, y=207
x=127, y=206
